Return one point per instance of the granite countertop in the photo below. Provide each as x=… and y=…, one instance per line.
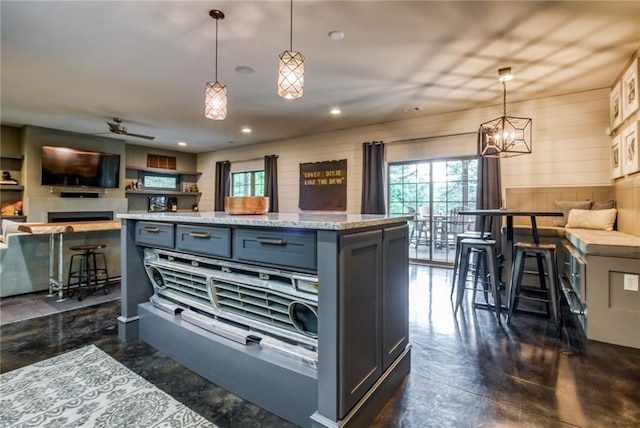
x=318, y=221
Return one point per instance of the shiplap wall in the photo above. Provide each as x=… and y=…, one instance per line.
x=570, y=147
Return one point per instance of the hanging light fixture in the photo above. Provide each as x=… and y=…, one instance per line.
x=215, y=103
x=505, y=136
x=291, y=70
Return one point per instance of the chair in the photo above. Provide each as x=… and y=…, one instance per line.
x=547, y=267
x=487, y=260
x=420, y=232
x=84, y=273
x=456, y=261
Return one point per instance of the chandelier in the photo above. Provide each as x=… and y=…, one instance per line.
x=505, y=136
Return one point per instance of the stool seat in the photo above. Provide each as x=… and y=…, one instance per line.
x=534, y=246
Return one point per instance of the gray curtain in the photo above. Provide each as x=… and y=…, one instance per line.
x=489, y=187
x=373, y=178
x=271, y=181
x=223, y=184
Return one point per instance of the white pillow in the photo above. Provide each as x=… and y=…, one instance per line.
x=592, y=219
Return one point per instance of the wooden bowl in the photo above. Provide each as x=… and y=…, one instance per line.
x=246, y=204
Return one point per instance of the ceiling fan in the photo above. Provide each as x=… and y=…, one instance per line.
x=118, y=128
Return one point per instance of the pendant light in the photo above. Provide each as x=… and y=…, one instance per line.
x=505, y=136
x=215, y=103
x=291, y=70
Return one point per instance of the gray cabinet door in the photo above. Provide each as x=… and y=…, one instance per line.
x=395, y=294
x=360, y=296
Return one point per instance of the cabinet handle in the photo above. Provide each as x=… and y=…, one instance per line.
x=272, y=241
x=152, y=229
x=204, y=235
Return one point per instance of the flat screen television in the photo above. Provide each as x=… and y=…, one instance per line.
x=62, y=166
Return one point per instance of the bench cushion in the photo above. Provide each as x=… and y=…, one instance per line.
x=604, y=243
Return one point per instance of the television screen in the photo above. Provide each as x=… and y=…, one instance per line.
x=62, y=166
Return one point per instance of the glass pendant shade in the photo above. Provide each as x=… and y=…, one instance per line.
x=215, y=103
x=291, y=75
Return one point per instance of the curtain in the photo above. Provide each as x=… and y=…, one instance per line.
x=373, y=178
x=271, y=181
x=223, y=184
x=489, y=187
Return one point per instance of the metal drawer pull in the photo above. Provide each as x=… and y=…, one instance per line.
x=271, y=241
x=152, y=229
x=204, y=235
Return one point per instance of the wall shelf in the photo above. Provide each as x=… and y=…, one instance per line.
x=163, y=171
x=161, y=192
x=11, y=187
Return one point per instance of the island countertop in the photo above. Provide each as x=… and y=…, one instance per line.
x=318, y=221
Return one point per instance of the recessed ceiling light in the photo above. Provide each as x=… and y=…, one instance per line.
x=246, y=130
x=336, y=35
x=243, y=69
x=335, y=111
x=182, y=143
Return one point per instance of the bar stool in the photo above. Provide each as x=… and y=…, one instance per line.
x=84, y=271
x=542, y=252
x=487, y=260
x=456, y=261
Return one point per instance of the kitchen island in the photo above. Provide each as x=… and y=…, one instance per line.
x=305, y=315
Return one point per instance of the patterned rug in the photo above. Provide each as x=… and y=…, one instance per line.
x=87, y=388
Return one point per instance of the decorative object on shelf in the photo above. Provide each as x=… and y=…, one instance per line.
x=615, y=106
x=215, y=104
x=630, y=89
x=245, y=205
x=505, y=136
x=291, y=70
x=616, y=159
x=630, y=149
x=10, y=208
x=7, y=179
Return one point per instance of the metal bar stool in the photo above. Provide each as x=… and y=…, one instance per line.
x=489, y=262
x=87, y=272
x=456, y=260
x=544, y=253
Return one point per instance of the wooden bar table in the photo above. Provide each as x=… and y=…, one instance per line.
x=56, y=233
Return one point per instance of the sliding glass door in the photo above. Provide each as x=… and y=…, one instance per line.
x=433, y=191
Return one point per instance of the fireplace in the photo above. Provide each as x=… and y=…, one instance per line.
x=71, y=216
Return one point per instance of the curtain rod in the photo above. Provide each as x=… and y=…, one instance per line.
x=432, y=137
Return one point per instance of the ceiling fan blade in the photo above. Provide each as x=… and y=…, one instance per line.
x=146, y=137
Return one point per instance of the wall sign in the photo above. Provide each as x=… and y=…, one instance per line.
x=323, y=186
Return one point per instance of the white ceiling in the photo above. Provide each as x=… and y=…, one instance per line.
x=76, y=65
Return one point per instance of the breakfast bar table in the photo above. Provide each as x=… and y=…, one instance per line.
x=56, y=233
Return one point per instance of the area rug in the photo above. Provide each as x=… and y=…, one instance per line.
x=87, y=388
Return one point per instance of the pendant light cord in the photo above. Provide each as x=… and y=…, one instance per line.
x=291, y=27
x=504, y=98
x=216, y=49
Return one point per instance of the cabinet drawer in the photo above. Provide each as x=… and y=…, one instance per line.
x=290, y=248
x=210, y=241
x=154, y=234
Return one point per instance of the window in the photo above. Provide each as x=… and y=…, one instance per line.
x=433, y=192
x=247, y=183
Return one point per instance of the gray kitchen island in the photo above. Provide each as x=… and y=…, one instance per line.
x=305, y=315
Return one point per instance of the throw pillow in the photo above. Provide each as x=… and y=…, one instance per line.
x=592, y=219
x=604, y=205
x=565, y=207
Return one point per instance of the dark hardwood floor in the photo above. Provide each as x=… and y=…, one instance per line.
x=467, y=371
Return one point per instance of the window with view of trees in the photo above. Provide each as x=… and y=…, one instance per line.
x=433, y=192
x=247, y=183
